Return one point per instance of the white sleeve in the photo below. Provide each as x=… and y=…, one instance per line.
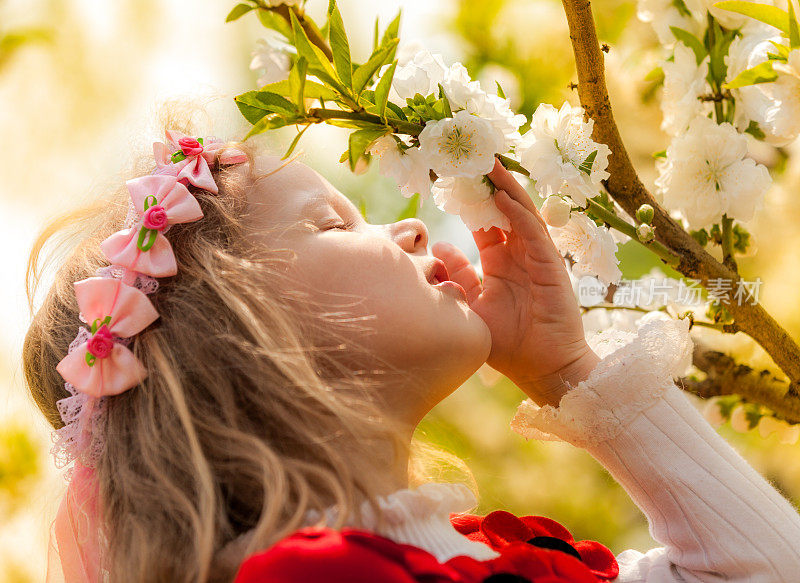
x=718, y=519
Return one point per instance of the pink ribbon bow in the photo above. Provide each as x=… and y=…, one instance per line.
x=161, y=201
x=188, y=158
x=100, y=366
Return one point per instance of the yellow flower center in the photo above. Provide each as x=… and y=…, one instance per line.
x=457, y=144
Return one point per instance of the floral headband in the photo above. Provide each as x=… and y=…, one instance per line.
x=114, y=303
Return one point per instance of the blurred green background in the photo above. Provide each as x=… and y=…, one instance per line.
x=81, y=85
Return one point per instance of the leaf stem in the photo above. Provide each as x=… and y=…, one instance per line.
x=319, y=114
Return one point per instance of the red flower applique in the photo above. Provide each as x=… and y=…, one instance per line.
x=313, y=555
x=501, y=530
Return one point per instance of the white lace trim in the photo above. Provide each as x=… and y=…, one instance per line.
x=634, y=372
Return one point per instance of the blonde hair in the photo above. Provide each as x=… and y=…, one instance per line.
x=238, y=426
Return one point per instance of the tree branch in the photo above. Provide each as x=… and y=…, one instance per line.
x=627, y=189
x=725, y=377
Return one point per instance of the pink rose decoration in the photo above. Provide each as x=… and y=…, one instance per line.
x=101, y=343
x=116, y=369
x=190, y=146
x=195, y=169
x=155, y=218
x=178, y=205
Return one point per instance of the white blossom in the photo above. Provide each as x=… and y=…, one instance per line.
x=421, y=74
x=408, y=167
x=728, y=19
x=663, y=14
x=472, y=199
x=555, y=147
x=590, y=246
x=271, y=57
x=464, y=93
x=706, y=174
x=555, y=211
x=775, y=107
x=463, y=145
x=684, y=82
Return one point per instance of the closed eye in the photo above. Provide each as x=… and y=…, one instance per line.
x=346, y=225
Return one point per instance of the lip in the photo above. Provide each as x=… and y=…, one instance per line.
x=437, y=272
x=452, y=287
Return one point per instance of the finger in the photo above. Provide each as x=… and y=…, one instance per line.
x=523, y=223
x=459, y=268
x=504, y=180
x=485, y=239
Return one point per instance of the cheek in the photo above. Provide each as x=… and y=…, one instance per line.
x=413, y=321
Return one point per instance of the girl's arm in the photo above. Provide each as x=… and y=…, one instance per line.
x=718, y=519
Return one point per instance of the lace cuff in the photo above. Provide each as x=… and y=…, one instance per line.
x=634, y=372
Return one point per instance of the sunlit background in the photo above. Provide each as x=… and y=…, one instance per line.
x=81, y=83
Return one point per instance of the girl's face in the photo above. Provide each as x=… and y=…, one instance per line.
x=381, y=272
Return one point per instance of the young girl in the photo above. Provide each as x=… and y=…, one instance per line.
x=266, y=354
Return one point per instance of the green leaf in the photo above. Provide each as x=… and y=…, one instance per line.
x=761, y=73
x=238, y=11
x=313, y=90
x=254, y=105
x=397, y=110
x=586, y=165
x=392, y=30
x=376, y=34
x=293, y=145
x=794, y=33
x=339, y=44
x=660, y=154
x=761, y=12
x=690, y=41
x=318, y=64
x=781, y=55
x=717, y=68
x=411, y=209
x=755, y=130
x=448, y=112
x=297, y=82
x=500, y=91
x=362, y=205
x=270, y=122
x=513, y=165
x=363, y=75
x=273, y=21
x=360, y=140
x=382, y=90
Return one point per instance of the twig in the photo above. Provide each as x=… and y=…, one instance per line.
x=627, y=189
x=725, y=377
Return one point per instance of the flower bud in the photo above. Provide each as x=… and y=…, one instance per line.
x=645, y=233
x=555, y=211
x=645, y=214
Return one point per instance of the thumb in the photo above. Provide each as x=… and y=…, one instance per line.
x=459, y=268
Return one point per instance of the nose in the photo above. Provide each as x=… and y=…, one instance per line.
x=410, y=234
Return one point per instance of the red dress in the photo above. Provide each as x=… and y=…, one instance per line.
x=532, y=549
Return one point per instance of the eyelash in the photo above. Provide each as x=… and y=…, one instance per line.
x=347, y=225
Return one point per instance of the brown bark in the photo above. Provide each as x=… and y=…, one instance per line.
x=725, y=377
x=627, y=189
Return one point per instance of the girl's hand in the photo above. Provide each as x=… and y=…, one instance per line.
x=526, y=297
